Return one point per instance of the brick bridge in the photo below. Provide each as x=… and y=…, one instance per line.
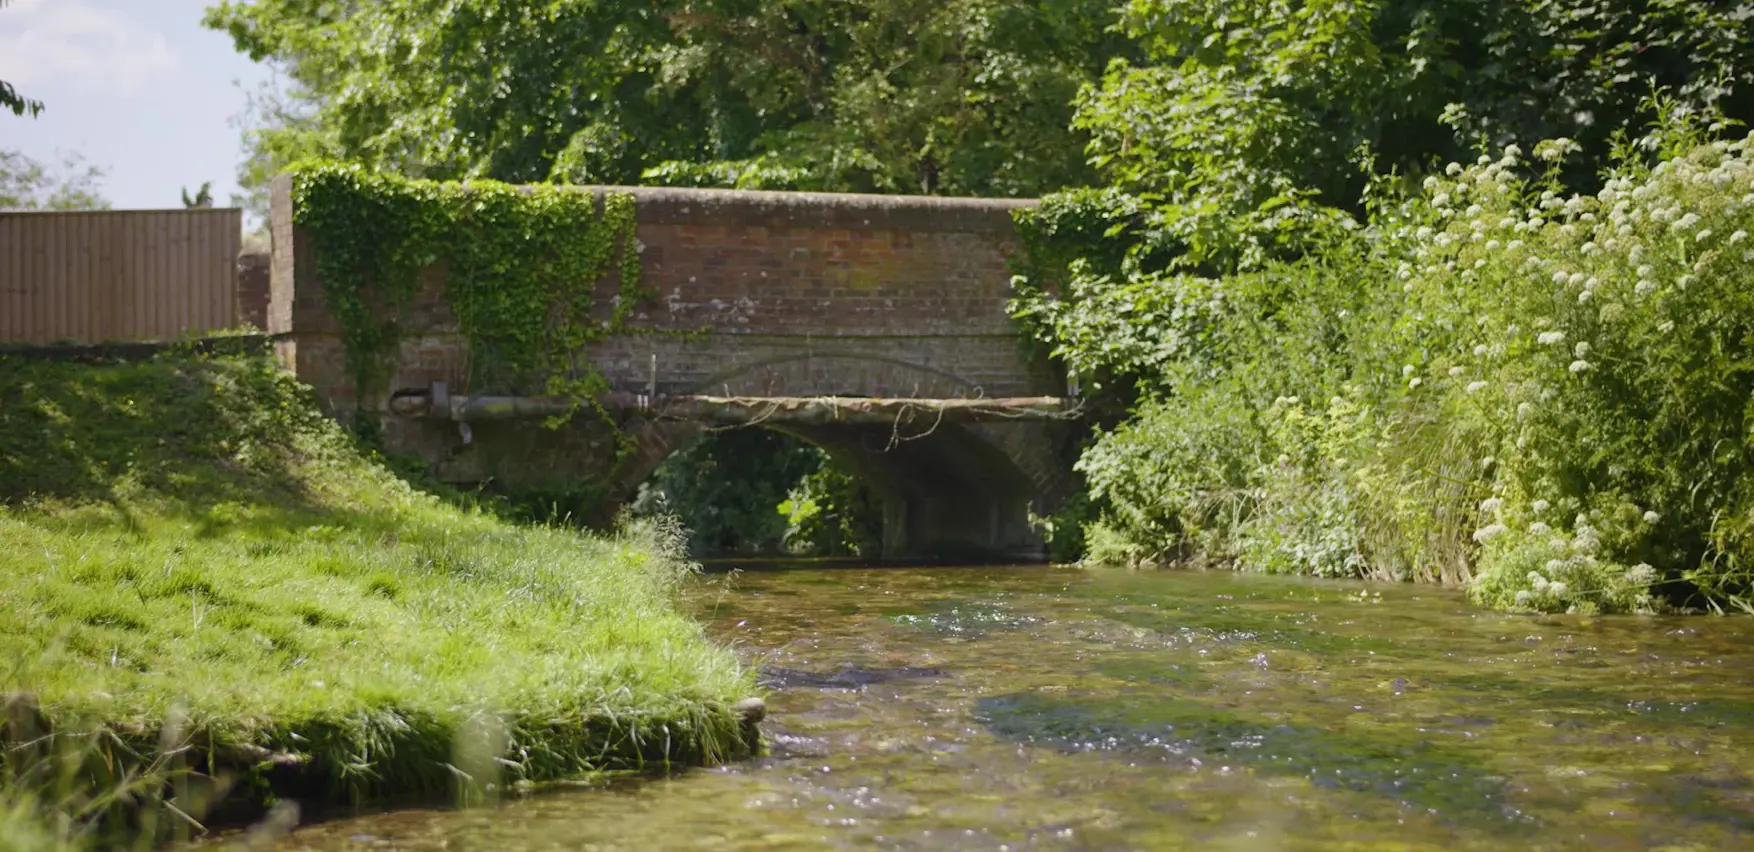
x=802, y=296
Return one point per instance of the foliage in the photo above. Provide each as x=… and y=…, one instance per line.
x=192, y=554
x=1239, y=282
x=723, y=487
x=966, y=97
x=10, y=99
x=1602, y=341
x=27, y=184
x=1259, y=131
x=1256, y=124
x=522, y=267
x=1540, y=391
x=203, y=197
x=831, y=512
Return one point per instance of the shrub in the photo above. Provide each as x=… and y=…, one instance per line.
x=1544, y=393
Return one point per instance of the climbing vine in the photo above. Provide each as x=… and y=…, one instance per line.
x=522, y=269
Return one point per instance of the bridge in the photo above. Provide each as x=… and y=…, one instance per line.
x=871, y=326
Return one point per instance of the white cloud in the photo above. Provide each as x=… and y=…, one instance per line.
x=75, y=40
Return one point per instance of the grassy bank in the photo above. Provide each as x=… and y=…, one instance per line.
x=195, y=565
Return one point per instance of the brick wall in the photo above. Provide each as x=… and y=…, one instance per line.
x=798, y=294
x=253, y=289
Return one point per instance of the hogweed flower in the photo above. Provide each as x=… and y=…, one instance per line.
x=1476, y=387
x=1581, y=349
x=1579, y=366
x=1490, y=532
x=1548, y=338
x=1491, y=504
x=1539, y=505
x=1652, y=517
x=1539, y=528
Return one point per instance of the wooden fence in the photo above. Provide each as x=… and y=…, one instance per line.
x=86, y=277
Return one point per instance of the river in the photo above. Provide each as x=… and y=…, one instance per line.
x=1055, y=708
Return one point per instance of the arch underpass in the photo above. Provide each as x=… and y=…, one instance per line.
x=874, y=327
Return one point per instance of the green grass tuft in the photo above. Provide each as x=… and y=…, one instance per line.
x=186, y=545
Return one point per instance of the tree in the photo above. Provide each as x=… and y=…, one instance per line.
x=1251, y=118
x=28, y=184
x=12, y=100
x=964, y=96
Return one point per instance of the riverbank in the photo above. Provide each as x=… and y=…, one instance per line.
x=1490, y=382
x=205, y=578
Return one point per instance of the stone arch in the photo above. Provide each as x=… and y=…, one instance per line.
x=952, y=491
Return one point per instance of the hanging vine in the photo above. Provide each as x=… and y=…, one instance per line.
x=522, y=269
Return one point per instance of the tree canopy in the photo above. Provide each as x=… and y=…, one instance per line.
x=29, y=184
x=914, y=96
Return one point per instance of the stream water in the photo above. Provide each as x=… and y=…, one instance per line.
x=1051, y=708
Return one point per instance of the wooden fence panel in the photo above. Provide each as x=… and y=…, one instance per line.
x=87, y=277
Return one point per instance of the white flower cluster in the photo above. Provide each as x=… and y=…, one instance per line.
x=1558, y=295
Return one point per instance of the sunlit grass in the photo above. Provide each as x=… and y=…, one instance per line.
x=186, y=540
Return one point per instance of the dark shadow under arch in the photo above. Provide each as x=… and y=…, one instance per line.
x=947, y=494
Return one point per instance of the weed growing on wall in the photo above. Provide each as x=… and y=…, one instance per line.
x=521, y=270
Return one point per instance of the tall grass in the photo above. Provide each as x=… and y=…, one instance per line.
x=186, y=544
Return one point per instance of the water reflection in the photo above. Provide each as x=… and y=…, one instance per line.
x=1041, y=708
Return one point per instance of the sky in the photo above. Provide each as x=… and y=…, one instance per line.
x=138, y=87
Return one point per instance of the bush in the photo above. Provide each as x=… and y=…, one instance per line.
x=1601, y=342
x=724, y=487
x=829, y=512
x=1544, y=393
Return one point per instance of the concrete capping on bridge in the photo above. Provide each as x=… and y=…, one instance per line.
x=758, y=295
x=755, y=208
x=438, y=402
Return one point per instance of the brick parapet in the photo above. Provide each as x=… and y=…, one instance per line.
x=776, y=294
